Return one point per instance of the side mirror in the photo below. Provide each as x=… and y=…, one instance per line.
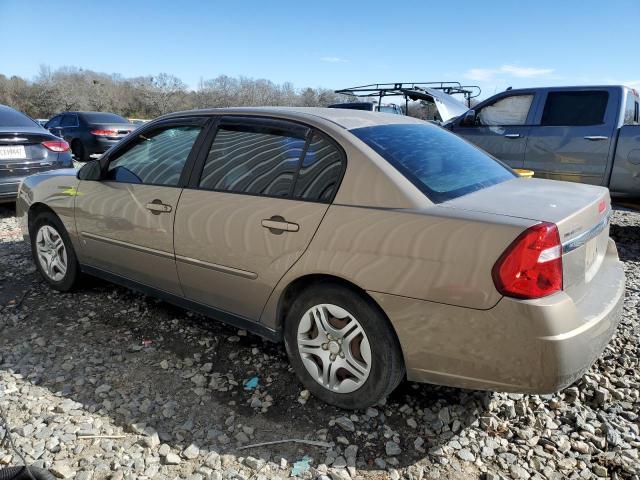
x=469, y=119
x=91, y=171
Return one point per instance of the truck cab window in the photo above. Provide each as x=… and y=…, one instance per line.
x=569, y=109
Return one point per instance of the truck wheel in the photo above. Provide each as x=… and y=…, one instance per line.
x=53, y=252
x=342, y=347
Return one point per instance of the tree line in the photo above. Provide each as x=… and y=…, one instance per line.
x=70, y=88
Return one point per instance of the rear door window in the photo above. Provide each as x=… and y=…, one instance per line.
x=439, y=163
x=568, y=109
x=254, y=157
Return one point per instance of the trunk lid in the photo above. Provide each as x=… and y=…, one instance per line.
x=581, y=213
x=22, y=153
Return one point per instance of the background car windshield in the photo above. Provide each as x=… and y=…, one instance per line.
x=439, y=163
x=10, y=118
x=99, y=117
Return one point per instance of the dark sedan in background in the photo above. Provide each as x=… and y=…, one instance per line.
x=89, y=133
x=26, y=148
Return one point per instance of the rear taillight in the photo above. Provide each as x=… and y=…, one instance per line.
x=56, y=146
x=107, y=133
x=531, y=267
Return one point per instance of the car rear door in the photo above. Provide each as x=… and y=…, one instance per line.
x=126, y=220
x=502, y=126
x=573, y=133
x=256, y=199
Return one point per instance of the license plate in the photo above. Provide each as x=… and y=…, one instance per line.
x=10, y=152
x=591, y=253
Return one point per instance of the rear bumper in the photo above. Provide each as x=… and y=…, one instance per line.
x=100, y=144
x=534, y=346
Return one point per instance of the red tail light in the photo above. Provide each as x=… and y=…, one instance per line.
x=104, y=132
x=531, y=267
x=56, y=146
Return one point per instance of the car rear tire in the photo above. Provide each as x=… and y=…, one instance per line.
x=53, y=252
x=342, y=346
x=79, y=152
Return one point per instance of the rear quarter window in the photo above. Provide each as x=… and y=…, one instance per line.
x=439, y=163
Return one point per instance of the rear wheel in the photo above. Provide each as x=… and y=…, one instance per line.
x=79, y=151
x=342, y=347
x=53, y=252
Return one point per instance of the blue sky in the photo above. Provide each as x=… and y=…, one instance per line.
x=331, y=44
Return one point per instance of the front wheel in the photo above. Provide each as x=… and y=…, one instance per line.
x=342, y=347
x=53, y=252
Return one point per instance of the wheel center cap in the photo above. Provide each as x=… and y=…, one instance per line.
x=334, y=347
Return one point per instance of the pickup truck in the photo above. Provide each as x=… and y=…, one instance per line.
x=579, y=134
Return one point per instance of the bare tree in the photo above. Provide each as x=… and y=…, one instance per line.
x=71, y=88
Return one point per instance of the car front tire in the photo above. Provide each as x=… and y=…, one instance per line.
x=53, y=252
x=342, y=346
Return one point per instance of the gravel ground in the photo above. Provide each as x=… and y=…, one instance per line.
x=107, y=383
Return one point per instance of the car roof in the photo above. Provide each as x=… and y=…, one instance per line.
x=345, y=118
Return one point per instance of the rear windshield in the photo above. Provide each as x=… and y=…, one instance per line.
x=440, y=164
x=99, y=117
x=12, y=118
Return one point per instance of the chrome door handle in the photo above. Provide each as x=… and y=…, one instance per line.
x=595, y=138
x=512, y=135
x=157, y=207
x=278, y=224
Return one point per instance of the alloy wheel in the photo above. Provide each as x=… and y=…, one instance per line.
x=52, y=254
x=334, y=348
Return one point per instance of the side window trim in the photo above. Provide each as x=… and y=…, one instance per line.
x=122, y=148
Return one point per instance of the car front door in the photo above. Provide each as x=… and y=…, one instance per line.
x=125, y=220
x=573, y=136
x=69, y=126
x=501, y=127
x=249, y=215
x=53, y=126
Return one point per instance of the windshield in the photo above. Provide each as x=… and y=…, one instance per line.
x=440, y=164
x=12, y=118
x=99, y=117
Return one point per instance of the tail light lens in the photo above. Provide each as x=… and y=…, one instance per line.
x=106, y=133
x=531, y=267
x=58, y=146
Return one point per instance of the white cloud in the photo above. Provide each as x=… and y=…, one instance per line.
x=480, y=74
x=488, y=74
x=333, y=60
x=526, y=72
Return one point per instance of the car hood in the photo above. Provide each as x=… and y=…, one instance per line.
x=448, y=107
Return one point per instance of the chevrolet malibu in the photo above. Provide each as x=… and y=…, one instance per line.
x=376, y=246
